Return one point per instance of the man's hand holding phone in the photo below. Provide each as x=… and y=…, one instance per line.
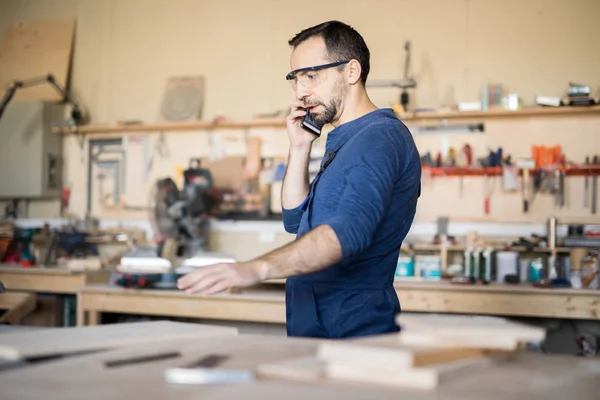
x=295, y=183
x=299, y=136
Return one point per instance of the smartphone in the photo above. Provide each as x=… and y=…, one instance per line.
x=310, y=125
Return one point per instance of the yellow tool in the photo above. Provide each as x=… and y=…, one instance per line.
x=452, y=155
x=526, y=165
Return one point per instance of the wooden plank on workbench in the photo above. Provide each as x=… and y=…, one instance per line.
x=387, y=351
x=466, y=331
x=252, y=306
x=304, y=368
x=430, y=377
x=42, y=283
x=72, y=340
x=49, y=280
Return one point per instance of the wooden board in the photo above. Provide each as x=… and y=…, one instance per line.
x=74, y=340
x=36, y=48
x=253, y=305
x=305, y=368
x=49, y=280
x=386, y=351
x=414, y=378
x=429, y=349
x=466, y=331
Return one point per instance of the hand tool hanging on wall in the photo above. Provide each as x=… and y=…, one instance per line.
x=467, y=155
x=404, y=97
x=488, y=188
x=467, y=149
x=494, y=159
x=586, y=187
x=427, y=160
x=549, y=175
x=406, y=83
x=526, y=165
x=555, y=159
x=539, y=154
x=563, y=175
x=452, y=156
x=595, y=162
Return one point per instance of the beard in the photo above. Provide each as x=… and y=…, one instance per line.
x=332, y=109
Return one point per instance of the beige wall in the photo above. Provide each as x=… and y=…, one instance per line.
x=126, y=50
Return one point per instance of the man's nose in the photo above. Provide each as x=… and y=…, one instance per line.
x=301, y=92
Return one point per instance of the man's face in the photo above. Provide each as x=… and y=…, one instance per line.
x=326, y=97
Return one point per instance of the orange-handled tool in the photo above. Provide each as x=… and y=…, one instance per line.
x=550, y=156
x=538, y=153
x=558, y=155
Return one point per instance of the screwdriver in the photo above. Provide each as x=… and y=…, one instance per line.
x=452, y=156
x=469, y=154
x=595, y=161
x=586, y=190
x=469, y=162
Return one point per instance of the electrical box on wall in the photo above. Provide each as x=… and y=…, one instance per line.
x=30, y=154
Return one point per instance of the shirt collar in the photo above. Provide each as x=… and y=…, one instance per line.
x=340, y=135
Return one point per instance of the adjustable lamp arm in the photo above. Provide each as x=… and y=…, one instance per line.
x=76, y=113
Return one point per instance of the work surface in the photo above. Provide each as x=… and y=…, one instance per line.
x=534, y=375
x=49, y=280
x=268, y=305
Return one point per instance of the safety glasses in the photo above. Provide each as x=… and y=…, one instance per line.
x=310, y=77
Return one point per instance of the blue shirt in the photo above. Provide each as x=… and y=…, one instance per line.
x=367, y=192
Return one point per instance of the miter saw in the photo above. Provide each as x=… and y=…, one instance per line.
x=181, y=222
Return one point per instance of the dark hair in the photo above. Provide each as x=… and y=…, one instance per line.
x=342, y=42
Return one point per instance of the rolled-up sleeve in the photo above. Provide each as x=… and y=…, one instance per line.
x=365, y=199
x=292, y=217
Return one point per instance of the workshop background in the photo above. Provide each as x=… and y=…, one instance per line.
x=180, y=147
x=168, y=153
x=125, y=52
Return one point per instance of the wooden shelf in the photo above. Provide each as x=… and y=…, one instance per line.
x=502, y=113
x=280, y=122
x=174, y=126
x=497, y=171
x=495, y=247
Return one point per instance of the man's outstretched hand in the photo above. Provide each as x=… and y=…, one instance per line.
x=315, y=250
x=216, y=278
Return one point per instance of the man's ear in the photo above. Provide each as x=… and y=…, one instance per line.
x=353, y=72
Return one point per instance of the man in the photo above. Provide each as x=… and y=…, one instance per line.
x=351, y=220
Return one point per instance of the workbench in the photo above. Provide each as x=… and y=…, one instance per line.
x=55, y=289
x=532, y=375
x=268, y=305
x=49, y=279
x=499, y=299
